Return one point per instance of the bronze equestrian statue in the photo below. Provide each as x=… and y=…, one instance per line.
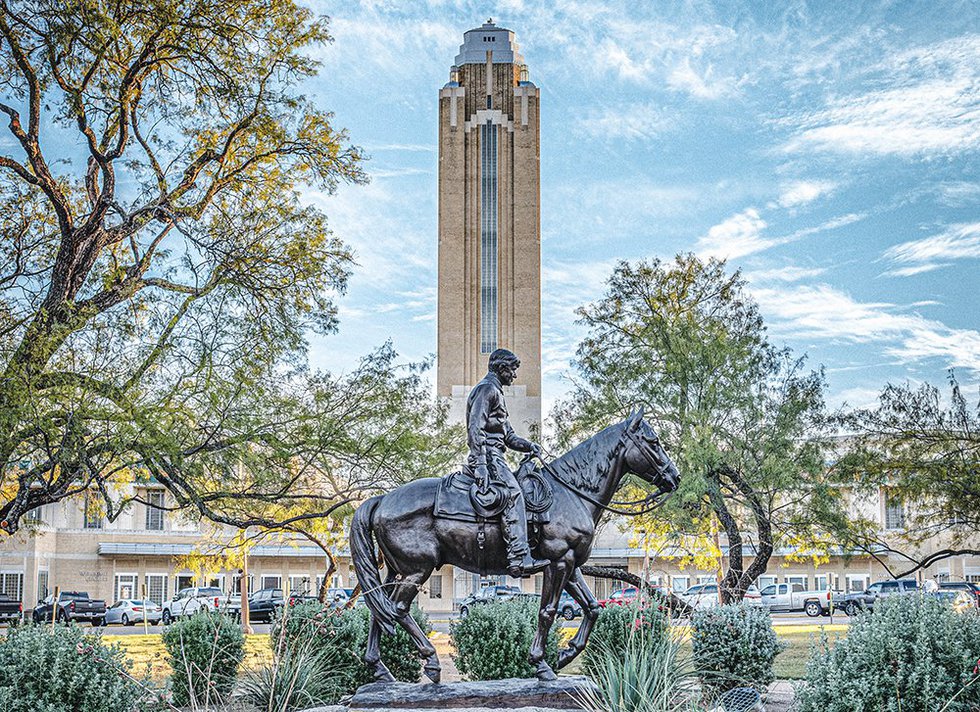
x=430, y=522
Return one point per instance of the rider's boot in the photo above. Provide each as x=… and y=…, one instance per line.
x=520, y=563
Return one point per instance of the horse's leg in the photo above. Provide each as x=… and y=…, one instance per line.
x=555, y=578
x=405, y=592
x=583, y=595
x=372, y=656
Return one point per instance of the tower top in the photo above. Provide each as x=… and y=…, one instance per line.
x=488, y=38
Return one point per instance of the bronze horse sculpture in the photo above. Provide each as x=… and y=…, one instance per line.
x=414, y=541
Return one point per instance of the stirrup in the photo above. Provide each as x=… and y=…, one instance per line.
x=527, y=566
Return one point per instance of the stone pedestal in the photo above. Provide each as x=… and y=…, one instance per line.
x=514, y=694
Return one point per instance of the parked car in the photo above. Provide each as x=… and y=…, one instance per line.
x=622, y=597
x=794, y=597
x=10, y=608
x=852, y=603
x=72, y=606
x=189, y=601
x=957, y=599
x=264, y=604
x=970, y=588
x=130, y=612
x=568, y=607
x=488, y=594
x=705, y=595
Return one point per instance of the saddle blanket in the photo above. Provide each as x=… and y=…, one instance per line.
x=453, y=497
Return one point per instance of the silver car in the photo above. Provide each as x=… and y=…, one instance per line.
x=130, y=612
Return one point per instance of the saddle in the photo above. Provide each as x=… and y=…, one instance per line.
x=456, y=497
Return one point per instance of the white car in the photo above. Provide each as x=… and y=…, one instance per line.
x=189, y=601
x=130, y=612
x=705, y=595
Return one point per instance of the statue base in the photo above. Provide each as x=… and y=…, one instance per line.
x=514, y=694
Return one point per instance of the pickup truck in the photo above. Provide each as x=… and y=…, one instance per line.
x=189, y=601
x=854, y=602
x=10, y=608
x=489, y=594
x=794, y=597
x=72, y=606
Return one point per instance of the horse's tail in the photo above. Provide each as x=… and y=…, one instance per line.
x=366, y=566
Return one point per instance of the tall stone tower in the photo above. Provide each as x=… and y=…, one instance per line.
x=489, y=223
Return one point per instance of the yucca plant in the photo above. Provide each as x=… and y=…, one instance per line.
x=646, y=674
x=301, y=676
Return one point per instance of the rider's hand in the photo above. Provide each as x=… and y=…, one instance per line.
x=482, y=476
x=535, y=450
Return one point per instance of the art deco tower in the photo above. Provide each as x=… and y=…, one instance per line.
x=489, y=223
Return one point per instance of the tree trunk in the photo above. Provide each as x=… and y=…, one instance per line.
x=615, y=574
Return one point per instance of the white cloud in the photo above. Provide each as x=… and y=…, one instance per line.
x=737, y=236
x=917, y=269
x=634, y=121
x=802, y=192
x=790, y=273
x=927, y=102
x=955, y=243
x=822, y=312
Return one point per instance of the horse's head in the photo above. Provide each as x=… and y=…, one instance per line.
x=645, y=455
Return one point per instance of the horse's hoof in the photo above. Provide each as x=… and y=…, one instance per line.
x=545, y=673
x=384, y=676
x=433, y=671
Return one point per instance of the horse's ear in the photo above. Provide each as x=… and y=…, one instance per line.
x=635, y=417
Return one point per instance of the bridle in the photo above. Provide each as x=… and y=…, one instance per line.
x=649, y=503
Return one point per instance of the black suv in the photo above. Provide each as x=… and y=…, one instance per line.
x=489, y=594
x=852, y=603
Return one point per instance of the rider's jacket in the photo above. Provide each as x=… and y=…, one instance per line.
x=487, y=427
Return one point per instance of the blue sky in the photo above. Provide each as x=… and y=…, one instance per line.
x=829, y=150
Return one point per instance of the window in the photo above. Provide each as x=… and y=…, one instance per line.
x=706, y=579
x=34, y=515
x=857, y=582
x=769, y=590
x=184, y=581
x=154, y=513
x=488, y=237
x=435, y=586
x=42, y=584
x=271, y=581
x=538, y=583
x=156, y=587
x=93, y=511
x=764, y=581
x=822, y=582
x=126, y=586
x=894, y=513
x=801, y=580
x=12, y=584
x=973, y=578
x=300, y=585
x=783, y=589
x=679, y=584
x=236, y=584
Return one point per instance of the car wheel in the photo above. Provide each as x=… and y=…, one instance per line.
x=125, y=619
x=813, y=609
x=167, y=618
x=463, y=612
x=98, y=622
x=36, y=617
x=568, y=613
x=851, y=609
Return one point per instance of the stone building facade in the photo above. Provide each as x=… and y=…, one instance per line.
x=489, y=292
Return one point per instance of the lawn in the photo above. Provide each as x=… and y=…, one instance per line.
x=791, y=663
x=147, y=652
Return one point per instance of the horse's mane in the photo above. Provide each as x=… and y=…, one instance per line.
x=587, y=464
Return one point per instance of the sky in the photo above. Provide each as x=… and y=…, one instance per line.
x=827, y=150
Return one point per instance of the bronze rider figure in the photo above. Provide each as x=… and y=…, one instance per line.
x=489, y=433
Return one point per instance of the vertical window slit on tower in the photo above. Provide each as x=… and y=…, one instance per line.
x=488, y=238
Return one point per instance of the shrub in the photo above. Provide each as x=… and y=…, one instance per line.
x=911, y=654
x=641, y=673
x=298, y=678
x=340, y=636
x=733, y=646
x=493, y=641
x=204, y=652
x=64, y=671
x=617, y=625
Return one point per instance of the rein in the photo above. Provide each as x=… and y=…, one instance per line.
x=658, y=499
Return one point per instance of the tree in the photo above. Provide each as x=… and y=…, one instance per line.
x=923, y=450
x=741, y=418
x=155, y=300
